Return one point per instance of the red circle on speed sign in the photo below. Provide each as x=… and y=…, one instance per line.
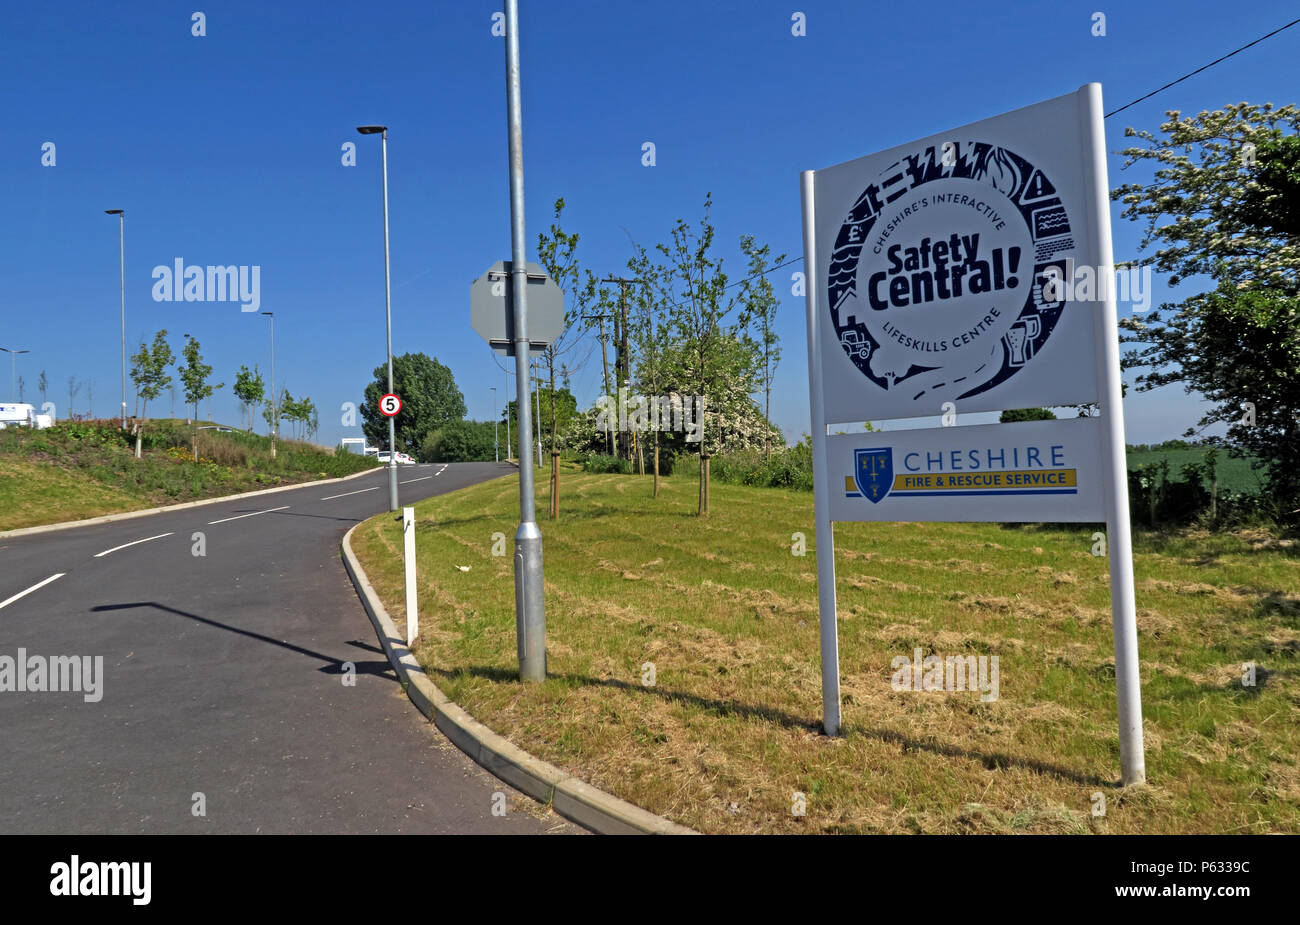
x=390, y=405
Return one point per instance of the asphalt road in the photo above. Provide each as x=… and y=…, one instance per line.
x=223, y=676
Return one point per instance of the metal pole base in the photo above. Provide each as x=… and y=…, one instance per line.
x=530, y=603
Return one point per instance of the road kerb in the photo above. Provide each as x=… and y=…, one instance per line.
x=127, y=515
x=594, y=809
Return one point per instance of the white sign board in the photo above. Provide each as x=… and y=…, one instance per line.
x=934, y=275
x=932, y=258
x=1034, y=471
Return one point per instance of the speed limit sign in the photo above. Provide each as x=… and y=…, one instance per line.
x=390, y=405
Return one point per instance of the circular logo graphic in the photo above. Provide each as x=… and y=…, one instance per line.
x=937, y=280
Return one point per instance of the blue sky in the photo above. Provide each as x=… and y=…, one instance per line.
x=225, y=149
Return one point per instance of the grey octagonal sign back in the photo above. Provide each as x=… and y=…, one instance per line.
x=491, y=307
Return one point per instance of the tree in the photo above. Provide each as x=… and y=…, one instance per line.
x=194, y=374
x=73, y=388
x=760, y=304
x=1222, y=204
x=250, y=389
x=1027, y=414
x=149, y=370
x=429, y=396
x=149, y=375
x=559, y=406
x=1273, y=202
x=1207, y=204
x=557, y=252
x=713, y=361
x=273, y=411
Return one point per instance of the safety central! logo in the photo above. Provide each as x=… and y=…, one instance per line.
x=936, y=282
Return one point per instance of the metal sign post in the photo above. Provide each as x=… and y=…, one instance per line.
x=935, y=275
x=530, y=600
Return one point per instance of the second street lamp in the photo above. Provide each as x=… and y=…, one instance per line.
x=275, y=399
x=121, y=257
x=382, y=132
x=13, y=355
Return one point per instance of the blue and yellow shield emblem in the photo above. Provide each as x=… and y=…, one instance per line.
x=873, y=471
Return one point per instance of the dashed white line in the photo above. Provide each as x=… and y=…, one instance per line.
x=346, y=493
x=132, y=543
x=253, y=514
x=35, y=587
x=420, y=479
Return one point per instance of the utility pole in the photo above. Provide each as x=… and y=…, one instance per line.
x=622, y=362
x=604, y=363
x=496, y=445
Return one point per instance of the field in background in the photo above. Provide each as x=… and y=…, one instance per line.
x=82, y=469
x=1234, y=474
x=729, y=732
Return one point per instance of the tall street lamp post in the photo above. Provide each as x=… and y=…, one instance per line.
x=121, y=257
x=13, y=382
x=275, y=399
x=382, y=132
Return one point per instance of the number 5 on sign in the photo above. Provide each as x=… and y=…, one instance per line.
x=390, y=405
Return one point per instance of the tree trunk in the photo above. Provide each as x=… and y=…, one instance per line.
x=706, y=484
x=555, y=484
x=656, y=494
x=700, y=509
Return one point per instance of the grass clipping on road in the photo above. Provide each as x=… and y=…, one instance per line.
x=729, y=732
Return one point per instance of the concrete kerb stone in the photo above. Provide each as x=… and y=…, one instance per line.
x=127, y=515
x=594, y=809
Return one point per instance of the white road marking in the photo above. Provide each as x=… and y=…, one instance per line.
x=253, y=514
x=420, y=479
x=35, y=587
x=132, y=543
x=346, y=493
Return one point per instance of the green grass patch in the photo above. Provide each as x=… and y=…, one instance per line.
x=727, y=615
x=81, y=469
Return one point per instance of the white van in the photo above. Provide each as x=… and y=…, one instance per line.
x=15, y=414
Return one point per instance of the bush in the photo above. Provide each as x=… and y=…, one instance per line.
x=462, y=441
x=597, y=462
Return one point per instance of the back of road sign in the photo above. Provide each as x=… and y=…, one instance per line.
x=491, y=305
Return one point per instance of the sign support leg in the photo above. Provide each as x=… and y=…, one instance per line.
x=1114, y=464
x=828, y=625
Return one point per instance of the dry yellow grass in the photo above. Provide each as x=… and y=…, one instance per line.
x=729, y=732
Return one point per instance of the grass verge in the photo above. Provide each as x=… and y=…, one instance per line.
x=727, y=615
x=83, y=469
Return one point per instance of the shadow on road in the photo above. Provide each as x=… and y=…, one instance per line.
x=378, y=667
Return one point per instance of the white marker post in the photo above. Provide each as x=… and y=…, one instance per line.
x=408, y=559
